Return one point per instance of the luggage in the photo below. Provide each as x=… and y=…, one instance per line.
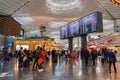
x=6, y=58
x=40, y=66
x=47, y=57
x=20, y=62
x=26, y=63
x=55, y=60
x=102, y=60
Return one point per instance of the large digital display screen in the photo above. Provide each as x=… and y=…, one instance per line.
x=73, y=28
x=91, y=23
x=88, y=24
x=64, y=32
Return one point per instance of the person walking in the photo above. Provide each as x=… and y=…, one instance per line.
x=112, y=60
x=94, y=55
x=37, y=56
x=86, y=55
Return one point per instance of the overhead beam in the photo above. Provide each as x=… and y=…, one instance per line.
x=20, y=7
x=105, y=9
x=4, y=15
x=8, y=26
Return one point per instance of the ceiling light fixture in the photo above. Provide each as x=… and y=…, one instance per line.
x=59, y=6
x=117, y=2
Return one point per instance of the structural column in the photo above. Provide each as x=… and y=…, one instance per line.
x=78, y=42
x=116, y=25
x=84, y=41
x=70, y=42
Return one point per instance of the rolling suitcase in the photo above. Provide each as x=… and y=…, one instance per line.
x=102, y=60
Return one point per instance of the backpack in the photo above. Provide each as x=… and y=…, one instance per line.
x=37, y=53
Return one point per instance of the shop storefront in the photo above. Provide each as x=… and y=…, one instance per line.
x=33, y=44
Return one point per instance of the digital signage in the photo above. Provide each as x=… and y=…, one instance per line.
x=64, y=32
x=85, y=25
x=73, y=28
x=91, y=23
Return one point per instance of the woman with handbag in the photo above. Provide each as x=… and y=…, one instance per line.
x=112, y=60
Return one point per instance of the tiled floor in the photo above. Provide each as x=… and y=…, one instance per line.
x=60, y=71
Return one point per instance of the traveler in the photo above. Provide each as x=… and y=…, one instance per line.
x=86, y=56
x=112, y=60
x=37, y=55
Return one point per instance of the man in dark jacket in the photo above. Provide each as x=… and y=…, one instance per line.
x=112, y=60
x=105, y=54
x=86, y=55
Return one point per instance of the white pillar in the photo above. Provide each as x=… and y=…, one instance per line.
x=117, y=25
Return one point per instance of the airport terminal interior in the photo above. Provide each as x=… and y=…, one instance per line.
x=59, y=39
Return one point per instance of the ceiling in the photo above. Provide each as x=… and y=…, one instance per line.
x=55, y=13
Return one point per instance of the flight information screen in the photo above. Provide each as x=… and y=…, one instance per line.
x=73, y=28
x=64, y=32
x=88, y=24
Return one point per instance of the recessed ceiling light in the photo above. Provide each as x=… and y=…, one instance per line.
x=24, y=20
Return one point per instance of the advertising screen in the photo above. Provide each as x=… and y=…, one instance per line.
x=64, y=32
x=73, y=28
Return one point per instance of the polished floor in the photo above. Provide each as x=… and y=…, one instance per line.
x=63, y=70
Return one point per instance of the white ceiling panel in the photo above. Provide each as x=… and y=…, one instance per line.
x=113, y=9
x=8, y=7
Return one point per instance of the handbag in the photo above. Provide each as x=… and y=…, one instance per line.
x=111, y=60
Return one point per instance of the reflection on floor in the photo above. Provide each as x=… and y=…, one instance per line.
x=63, y=70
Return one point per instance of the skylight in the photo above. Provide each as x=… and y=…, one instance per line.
x=24, y=20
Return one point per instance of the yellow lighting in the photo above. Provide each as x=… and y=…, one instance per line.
x=117, y=2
